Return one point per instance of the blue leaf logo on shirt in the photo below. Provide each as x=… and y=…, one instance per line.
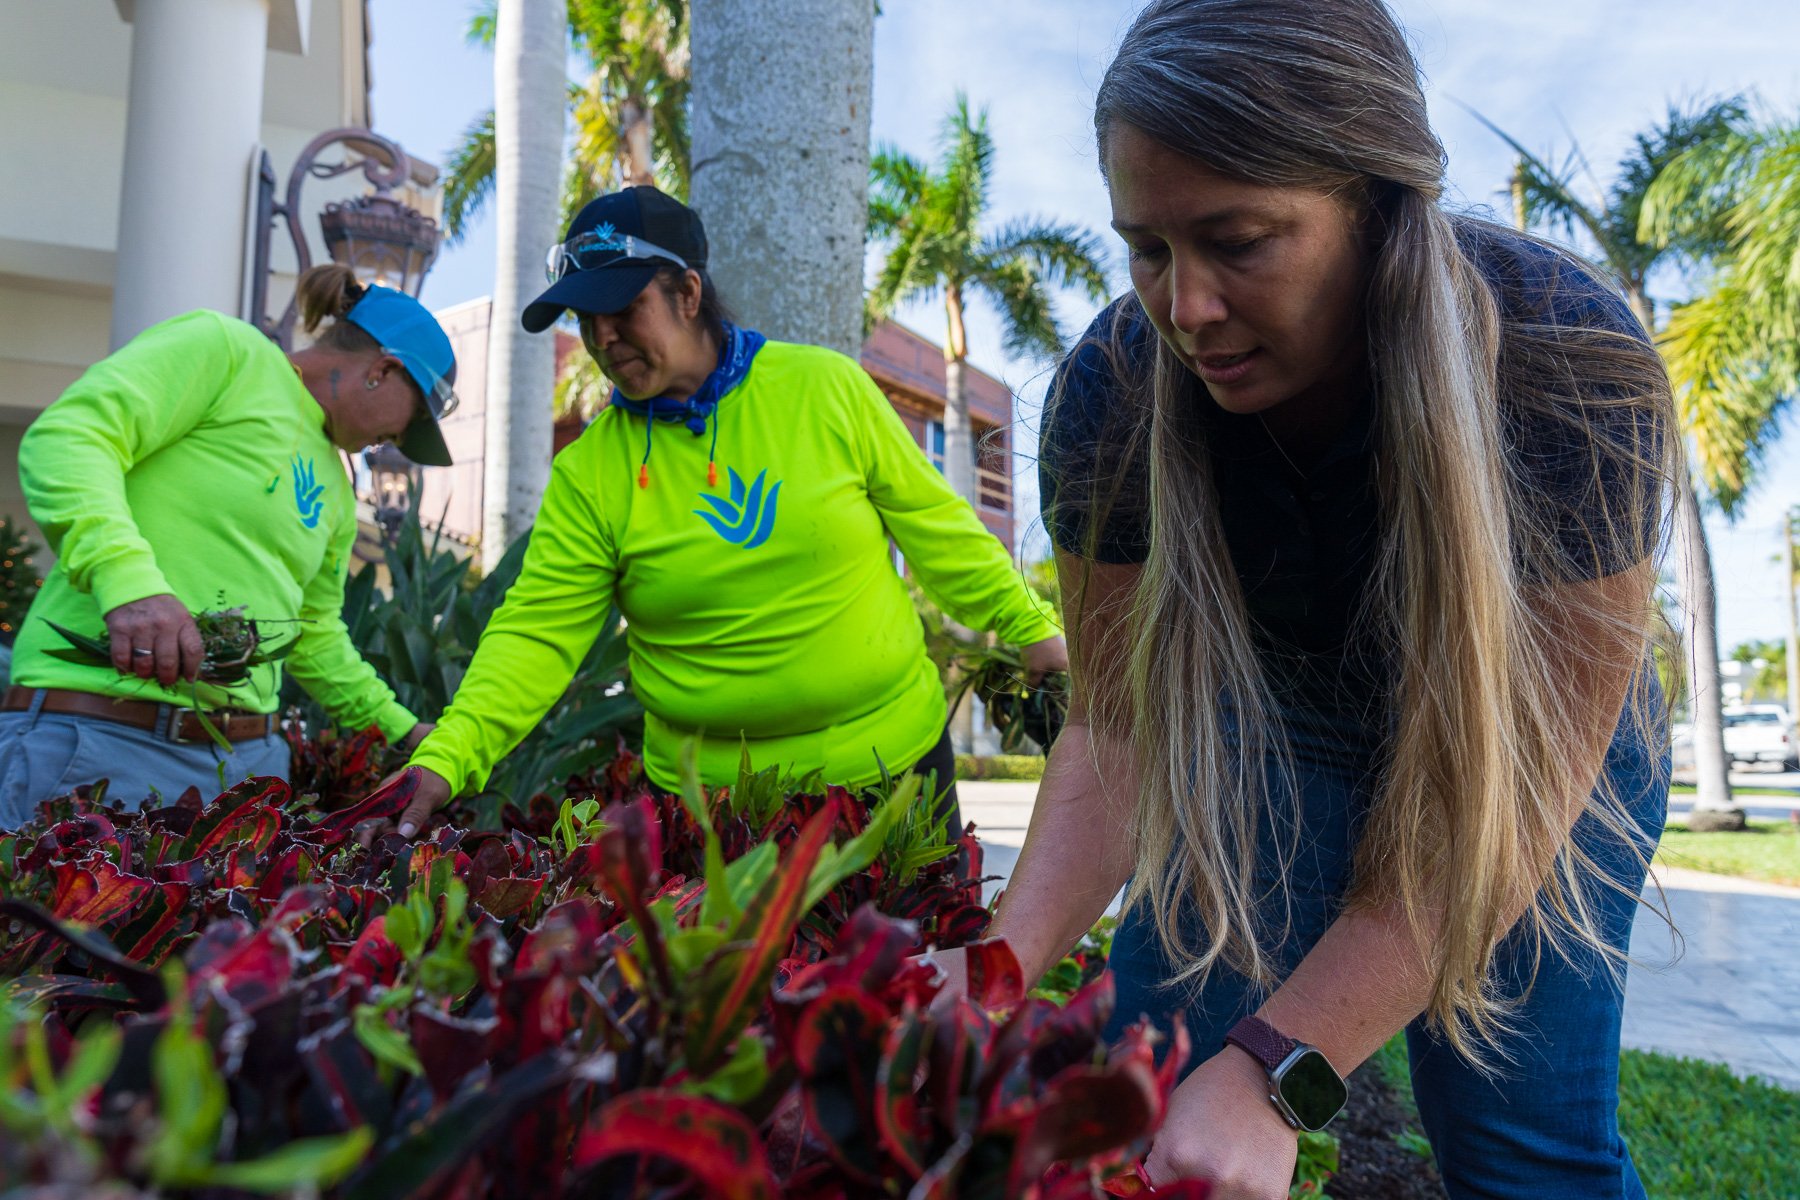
x=748, y=517
x=308, y=492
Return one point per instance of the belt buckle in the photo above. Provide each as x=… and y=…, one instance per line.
x=168, y=724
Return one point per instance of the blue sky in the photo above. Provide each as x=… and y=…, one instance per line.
x=1549, y=71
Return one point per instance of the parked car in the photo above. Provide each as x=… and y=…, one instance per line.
x=1761, y=733
x=1681, y=746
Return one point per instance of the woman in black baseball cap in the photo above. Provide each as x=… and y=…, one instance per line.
x=736, y=500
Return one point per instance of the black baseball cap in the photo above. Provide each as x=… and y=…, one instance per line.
x=640, y=229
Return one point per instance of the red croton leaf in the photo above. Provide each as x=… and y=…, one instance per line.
x=962, y=925
x=449, y=1047
x=257, y=967
x=508, y=897
x=373, y=959
x=900, y=1120
x=1088, y=1111
x=216, y=822
x=735, y=982
x=996, y=980
x=627, y=860
x=386, y=801
x=715, y=1145
x=95, y=891
x=160, y=922
x=837, y=1051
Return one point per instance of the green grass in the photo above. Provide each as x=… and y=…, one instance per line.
x=1687, y=789
x=1696, y=1131
x=1765, y=850
x=1022, y=768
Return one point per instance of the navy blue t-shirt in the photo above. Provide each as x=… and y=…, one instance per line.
x=1304, y=546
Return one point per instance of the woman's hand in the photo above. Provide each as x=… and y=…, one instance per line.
x=1041, y=658
x=155, y=638
x=433, y=794
x=1222, y=1127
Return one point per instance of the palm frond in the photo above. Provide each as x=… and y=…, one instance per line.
x=482, y=23
x=930, y=220
x=1731, y=384
x=469, y=177
x=1693, y=135
x=1027, y=319
x=581, y=389
x=1551, y=201
x=1064, y=253
x=960, y=194
x=897, y=184
x=909, y=272
x=1765, y=222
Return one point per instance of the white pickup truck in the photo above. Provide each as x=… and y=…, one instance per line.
x=1761, y=733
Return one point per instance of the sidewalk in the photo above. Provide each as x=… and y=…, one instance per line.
x=1728, y=992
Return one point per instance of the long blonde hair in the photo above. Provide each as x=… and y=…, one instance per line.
x=1475, y=776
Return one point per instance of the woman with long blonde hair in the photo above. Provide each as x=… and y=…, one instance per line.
x=1356, y=503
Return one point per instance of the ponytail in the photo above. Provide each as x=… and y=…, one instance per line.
x=328, y=292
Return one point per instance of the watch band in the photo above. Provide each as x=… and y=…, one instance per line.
x=1261, y=1041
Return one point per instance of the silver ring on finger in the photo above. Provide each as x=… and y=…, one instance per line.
x=140, y=652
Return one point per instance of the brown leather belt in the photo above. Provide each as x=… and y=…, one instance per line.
x=167, y=721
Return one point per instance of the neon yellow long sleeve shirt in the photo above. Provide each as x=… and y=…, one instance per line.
x=192, y=461
x=761, y=612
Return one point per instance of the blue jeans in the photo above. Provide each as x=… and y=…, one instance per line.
x=1546, y=1128
x=43, y=755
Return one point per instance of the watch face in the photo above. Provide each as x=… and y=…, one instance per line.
x=1312, y=1090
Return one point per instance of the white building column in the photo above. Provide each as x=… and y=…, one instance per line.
x=194, y=118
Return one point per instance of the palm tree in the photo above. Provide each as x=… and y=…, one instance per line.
x=530, y=45
x=1544, y=197
x=1734, y=350
x=629, y=112
x=932, y=225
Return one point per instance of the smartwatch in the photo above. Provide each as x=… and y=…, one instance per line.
x=1306, y=1089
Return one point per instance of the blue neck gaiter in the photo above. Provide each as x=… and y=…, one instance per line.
x=700, y=409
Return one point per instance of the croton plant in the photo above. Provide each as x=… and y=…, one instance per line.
x=627, y=994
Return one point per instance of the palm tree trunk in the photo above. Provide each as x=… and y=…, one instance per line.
x=530, y=38
x=780, y=102
x=640, y=162
x=1714, y=808
x=1792, y=530
x=959, y=432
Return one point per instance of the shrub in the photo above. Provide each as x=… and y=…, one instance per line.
x=420, y=635
x=627, y=994
x=998, y=767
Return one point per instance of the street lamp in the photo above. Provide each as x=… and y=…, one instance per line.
x=393, y=482
x=378, y=237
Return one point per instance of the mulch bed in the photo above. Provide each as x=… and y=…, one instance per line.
x=1372, y=1165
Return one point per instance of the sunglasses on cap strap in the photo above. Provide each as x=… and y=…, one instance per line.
x=442, y=398
x=598, y=248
